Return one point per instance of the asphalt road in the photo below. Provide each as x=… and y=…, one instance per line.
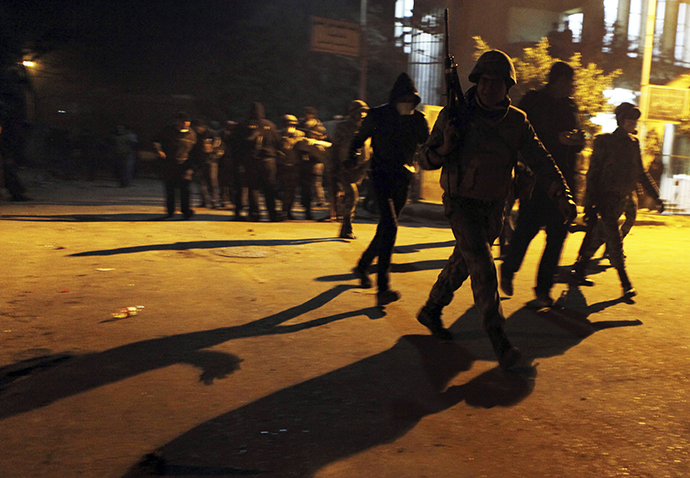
x=257, y=354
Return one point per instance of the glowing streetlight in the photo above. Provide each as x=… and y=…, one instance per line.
x=29, y=64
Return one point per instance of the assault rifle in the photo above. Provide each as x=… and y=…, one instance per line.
x=454, y=96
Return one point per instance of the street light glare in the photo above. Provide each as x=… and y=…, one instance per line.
x=28, y=63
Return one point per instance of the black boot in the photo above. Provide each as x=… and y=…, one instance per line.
x=507, y=354
x=346, y=229
x=430, y=317
x=628, y=290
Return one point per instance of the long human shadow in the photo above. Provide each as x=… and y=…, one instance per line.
x=36, y=383
x=541, y=333
x=300, y=429
x=435, y=264
x=117, y=217
x=411, y=248
x=183, y=246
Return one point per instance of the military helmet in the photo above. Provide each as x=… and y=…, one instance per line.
x=494, y=62
x=357, y=105
x=290, y=120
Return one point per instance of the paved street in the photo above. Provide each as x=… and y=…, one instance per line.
x=257, y=354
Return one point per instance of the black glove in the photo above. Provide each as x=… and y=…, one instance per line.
x=567, y=207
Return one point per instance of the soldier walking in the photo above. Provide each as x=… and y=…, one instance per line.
x=478, y=156
x=615, y=168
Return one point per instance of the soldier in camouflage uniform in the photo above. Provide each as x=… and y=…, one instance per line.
x=478, y=157
x=291, y=161
x=349, y=178
x=615, y=168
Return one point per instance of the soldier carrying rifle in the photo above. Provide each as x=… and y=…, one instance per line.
x=476, y=140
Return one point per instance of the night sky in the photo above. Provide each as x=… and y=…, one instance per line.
x=224, y=53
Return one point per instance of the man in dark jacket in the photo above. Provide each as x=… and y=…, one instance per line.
x=396, y=130
x=478, y=155
x=177, y=169
x=615, y=168
x=257, y=140
x=554, y=116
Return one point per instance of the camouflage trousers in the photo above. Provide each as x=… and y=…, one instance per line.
x=476, y=224
x=610, y=207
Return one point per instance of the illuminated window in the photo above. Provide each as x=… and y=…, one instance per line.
x=659, y=25
x=679, y=52
x=575, y=25
x=634, y=27
x=610, y=17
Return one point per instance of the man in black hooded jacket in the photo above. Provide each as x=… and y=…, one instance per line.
x=396, y=130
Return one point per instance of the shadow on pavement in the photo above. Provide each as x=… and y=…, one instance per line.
x=36, y=383
x=540, y=333
x=299, y=430
x=429, y=265
x=183, y=246
x=121, y=217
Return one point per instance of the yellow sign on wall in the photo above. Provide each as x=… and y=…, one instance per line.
x=667, y=104
x=334, y=36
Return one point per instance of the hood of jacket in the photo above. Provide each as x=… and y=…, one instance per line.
x=404, y=85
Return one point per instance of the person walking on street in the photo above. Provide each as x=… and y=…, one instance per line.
x=554, y=116
x=396, y=129
x=177, y=168
x=349, y=178
x=478, y=155
x=615, y=168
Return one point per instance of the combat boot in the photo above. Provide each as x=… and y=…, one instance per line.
x=507, y=354
x=386, y=296
x=430, y=317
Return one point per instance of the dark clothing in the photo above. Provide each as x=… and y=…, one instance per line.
x=391, y=197
x=537, y=212
x=615, y=168
x=549, y=116
x=476, y=179
x=257, y=141
x=177, y=167
x=476, y=224
x=348, y=178
x=395, y=139
x=293, y=165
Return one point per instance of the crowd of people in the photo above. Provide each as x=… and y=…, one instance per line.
x=491, y=155
x=246, y=161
